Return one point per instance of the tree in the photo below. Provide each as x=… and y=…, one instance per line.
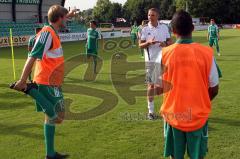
x=101, y=10
x=115, y=11
x=86, y=15
x=137, y=10
x=167, y=9
x=224, y=11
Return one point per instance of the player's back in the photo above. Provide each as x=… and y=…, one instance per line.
x=187, y=68
x=187, y=56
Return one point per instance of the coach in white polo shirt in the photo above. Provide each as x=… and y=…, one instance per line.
x=154, y=36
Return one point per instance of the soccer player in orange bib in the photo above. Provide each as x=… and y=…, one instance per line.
x=191, y=70
x=47, y=53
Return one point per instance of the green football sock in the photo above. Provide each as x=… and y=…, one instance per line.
x=49, y=131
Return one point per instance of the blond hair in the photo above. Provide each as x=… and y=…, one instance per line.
x=55, y=12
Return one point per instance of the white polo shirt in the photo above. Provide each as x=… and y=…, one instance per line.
x=160, y=33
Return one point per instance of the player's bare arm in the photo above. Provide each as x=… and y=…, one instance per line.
x=29, y=48
x=72, y=13
x=169, y=41
x=165, y=43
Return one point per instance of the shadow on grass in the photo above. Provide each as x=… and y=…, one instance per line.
x=14, y=106
x=23, y=130
x=14, y=100
x=228, y=59
x=230, y=122
x=4, y=85
x=82, y=81
x=203, y=39
x=230, y=55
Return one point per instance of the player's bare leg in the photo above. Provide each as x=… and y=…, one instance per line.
x=150, y=98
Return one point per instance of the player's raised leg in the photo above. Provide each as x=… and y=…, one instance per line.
x=47, y=53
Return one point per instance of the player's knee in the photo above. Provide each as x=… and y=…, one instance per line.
x=49, y=121
x=159, y=91
x=61, y=115
x=58, y=120
x=150, y=98
x=150, y=87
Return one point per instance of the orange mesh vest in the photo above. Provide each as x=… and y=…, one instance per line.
x=50, y=69
x=187, y=67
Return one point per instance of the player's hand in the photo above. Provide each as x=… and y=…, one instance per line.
x=151, y=41
x=58, y=120
x=72, y=13
x=20, y=85
x=162, y=44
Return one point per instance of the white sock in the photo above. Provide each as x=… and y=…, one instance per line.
x=151, y=107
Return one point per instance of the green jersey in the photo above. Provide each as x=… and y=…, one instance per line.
x=134, y=29
x=213, y=31
x=42, y=45
x=31, y=43
x=92, y=41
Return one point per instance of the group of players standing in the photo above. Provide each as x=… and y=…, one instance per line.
x=189, y=67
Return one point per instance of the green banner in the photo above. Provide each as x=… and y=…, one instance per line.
x=21, y=1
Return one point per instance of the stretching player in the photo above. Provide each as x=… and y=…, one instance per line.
x=47, y=53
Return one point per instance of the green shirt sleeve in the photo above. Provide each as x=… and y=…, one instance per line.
x=217, y=29
x=43, y=43
x=31, y=41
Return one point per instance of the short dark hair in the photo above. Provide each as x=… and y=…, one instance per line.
x=182, y=23
x=154, y=10
x=93, y=22
x=55, y=12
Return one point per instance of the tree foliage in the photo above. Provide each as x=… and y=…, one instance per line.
x=224, y=11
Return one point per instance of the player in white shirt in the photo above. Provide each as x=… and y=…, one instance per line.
x=154, y=36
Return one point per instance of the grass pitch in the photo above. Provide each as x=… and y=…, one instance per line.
x=118, y=129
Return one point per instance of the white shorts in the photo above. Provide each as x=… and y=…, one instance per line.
x=153, y=73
